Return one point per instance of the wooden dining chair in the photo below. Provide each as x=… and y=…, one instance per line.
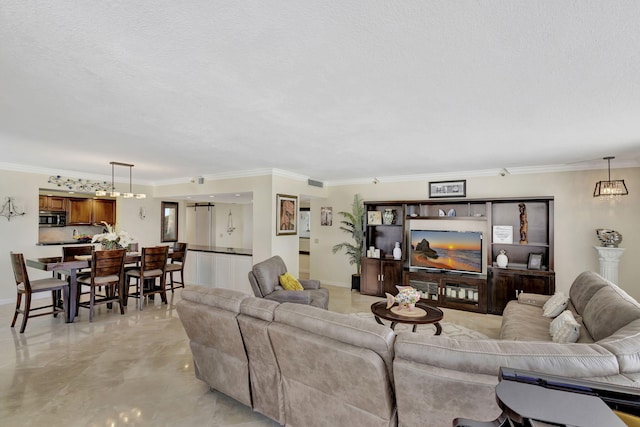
x=153, y=266
x=178, y=258
x=107, y=269
x=69, y=252
x=27, y=288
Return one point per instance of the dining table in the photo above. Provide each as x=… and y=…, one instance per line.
x=71, y=269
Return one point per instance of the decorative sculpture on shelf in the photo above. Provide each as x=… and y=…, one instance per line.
x=9, y=209
x=524, y=225
x=609, y=238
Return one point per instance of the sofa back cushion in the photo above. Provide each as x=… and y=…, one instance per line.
x=267, y=274
x=583, y=289
x=256, y=314
x=336, y=369
x=209, y=317
x=609, y=309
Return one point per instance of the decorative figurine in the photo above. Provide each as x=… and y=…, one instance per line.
x=406, y=298
x=502, y=260
x=609, y=238
x=524, y=225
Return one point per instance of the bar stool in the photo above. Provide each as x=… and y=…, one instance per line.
x=153, y=266
x=107, y=269
x=178, y=258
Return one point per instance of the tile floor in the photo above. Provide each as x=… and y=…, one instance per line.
x=131, y=370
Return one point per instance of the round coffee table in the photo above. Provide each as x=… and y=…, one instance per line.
x=434, y=315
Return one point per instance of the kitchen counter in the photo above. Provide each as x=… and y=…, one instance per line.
x=220, y=250
x=73, y=242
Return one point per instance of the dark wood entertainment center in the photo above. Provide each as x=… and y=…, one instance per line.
x=486, y=292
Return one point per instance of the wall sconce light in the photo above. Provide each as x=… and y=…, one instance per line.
x=610, y=189
x=9, y=209
x=230, y=226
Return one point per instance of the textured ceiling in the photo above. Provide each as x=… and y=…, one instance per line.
x=332, y=90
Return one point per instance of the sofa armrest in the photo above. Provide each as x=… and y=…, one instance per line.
x=487, y=356
x=533, y=299
x=298, y=297
x=310, y=283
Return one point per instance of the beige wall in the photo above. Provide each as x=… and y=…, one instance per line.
x=577, y=215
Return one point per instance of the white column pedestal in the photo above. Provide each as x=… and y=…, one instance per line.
x=609, y=259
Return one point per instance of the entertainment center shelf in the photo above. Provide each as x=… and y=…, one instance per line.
x=521, y=227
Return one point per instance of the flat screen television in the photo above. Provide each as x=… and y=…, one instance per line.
x=448, y=250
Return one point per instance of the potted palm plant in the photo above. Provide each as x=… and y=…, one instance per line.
x=352, y=224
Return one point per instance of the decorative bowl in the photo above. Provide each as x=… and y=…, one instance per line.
x=609, y=238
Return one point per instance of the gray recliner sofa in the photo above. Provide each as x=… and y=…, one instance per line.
x=265, y=282
x=297, y=364
x=304, y=366
x=445, y=378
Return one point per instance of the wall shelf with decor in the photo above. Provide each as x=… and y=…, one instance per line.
x=523, y=229
x=530, y=262
x=384, y=226
x=471, y=208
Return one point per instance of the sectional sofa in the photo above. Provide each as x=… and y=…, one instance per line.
x=303, y=366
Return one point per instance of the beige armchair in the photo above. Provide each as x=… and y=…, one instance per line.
x=265, y=282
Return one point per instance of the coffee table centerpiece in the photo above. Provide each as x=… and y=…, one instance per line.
x=407, y=298
x=410, y=310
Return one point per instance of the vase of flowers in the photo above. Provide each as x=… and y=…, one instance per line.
x=112, y=239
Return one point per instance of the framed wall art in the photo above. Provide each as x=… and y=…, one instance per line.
x=374, y=218
x=448, y=189
x=326, y=215
x=169, y=222
x=286, y=214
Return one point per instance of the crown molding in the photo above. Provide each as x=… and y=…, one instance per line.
x=522, y=170
x=67, y=173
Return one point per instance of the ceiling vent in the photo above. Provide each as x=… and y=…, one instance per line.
x=314, y=183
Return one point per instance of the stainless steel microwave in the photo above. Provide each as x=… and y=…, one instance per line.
x=53, y=219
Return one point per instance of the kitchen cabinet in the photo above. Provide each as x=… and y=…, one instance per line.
x=104, y=210
x=91, y=211
x=52, y=203
x=79, y=211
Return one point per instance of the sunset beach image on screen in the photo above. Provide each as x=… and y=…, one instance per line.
x=447, y=250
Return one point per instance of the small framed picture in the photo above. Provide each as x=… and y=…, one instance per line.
x=535, y=261
x=448, y=189
x=286, y=214
x=503, y=234
x=374, y=217
x=326, y=216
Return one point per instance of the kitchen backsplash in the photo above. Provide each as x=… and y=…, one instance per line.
x=66, y=234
